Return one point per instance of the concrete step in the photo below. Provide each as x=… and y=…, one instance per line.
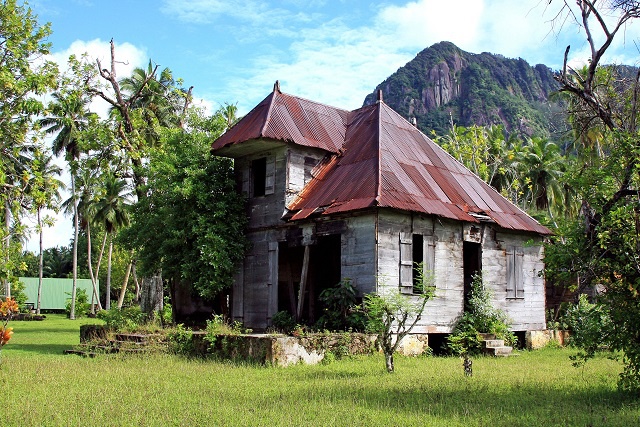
x=493, y=343
x=499, y=351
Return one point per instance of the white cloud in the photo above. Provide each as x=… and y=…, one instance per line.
x=128, y=57
x=421, y=23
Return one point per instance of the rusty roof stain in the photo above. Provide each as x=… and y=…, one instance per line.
x=376, y=158
x=288, y=118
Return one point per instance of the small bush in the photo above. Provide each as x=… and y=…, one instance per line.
x=181, y=341
x=126, y=319
x=341, y=311
x=480, y=317
x=82, y=304
x=283, y=322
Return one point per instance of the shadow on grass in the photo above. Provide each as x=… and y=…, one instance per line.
x=497, y=405
x=56, y=349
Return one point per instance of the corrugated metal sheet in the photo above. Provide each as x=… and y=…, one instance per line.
x=290, y=119
x=379, y=159
x=55, y=292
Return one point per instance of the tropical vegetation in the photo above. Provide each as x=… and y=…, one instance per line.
x=147, y=196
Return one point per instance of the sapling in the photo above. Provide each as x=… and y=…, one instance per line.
x=392, y=316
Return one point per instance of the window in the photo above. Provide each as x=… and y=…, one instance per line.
x=415, y=249
x=259, y=176
x=515, y=272
x=418, y=254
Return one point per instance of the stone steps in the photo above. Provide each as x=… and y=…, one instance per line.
x=495, y=347
x=121, y=343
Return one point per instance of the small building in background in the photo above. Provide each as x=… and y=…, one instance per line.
x=365, y=195
x=55, y=292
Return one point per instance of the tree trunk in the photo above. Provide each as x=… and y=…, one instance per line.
x=7, y=244
x=388, y=357
x=40, y=264
x=151, y=295
x=136, y=298
x=124, y=285
x=95, y=296
x=107, y=304
x=72, y=312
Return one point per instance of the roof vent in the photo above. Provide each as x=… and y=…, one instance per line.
x=414, y=122
x=276, y=86
x=379, y=95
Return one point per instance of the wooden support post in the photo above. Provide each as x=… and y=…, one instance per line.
x=291, y=289
x=303, y=282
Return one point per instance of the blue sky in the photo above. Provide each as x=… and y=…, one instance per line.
x=331, y=51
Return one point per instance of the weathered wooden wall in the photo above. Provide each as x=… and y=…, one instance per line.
x=370, y=246
x=527, y=312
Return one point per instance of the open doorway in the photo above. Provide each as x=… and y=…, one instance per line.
x=323, y=271
x=472, y=261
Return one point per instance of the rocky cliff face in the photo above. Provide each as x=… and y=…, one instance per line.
x=444, y=83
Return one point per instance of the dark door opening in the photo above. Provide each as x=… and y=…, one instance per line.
x=323, y=272
x=472, y=262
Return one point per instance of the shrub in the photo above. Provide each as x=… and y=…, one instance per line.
x=341, y=311
x=283, y=322
x=181, y=341
x=479, y=317
x=588, y=323
x=82, y=303
x=126, y=319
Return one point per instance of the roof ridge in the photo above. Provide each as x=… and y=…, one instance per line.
x=276, y=89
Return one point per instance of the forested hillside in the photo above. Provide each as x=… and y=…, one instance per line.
x=444, y=82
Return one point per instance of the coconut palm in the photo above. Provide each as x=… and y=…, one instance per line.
x=68, y=117
x=112, y=212
x=45, y=192
x=543, y=167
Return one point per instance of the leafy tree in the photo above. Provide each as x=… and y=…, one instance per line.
x=24, y=76
x=393, y=316
x=190, y=224
x=45, y=192
x=603, y=246
x=141, y=105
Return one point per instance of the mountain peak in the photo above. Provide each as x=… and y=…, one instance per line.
x=444, y=83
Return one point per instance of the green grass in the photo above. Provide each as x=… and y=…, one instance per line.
x=43, y=387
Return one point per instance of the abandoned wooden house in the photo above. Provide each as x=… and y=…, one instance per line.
x=363, y=195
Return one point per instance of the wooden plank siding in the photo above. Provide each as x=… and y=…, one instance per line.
x=376, y=251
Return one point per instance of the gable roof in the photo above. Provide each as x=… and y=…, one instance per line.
x=376, y=159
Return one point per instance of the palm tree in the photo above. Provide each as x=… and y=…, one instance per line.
x=543, y=166
x=45, y=192
x=112, y=212
x=87, y=197
x=15, y=163
x=68, y=117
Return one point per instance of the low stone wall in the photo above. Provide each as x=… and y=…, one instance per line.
x=282, y=350
x=539, y=339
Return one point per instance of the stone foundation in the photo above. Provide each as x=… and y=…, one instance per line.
x=539, y=339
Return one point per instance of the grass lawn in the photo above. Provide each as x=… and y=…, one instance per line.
x=43, y=387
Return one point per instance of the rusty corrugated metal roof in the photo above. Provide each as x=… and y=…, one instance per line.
x=287, y=118
x=377, y=159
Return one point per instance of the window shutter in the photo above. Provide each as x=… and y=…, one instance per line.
x=406, y=263
x=515, y=272
x=270, y=178
x=519, y=272
x=511, y=273
x=429, y=255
